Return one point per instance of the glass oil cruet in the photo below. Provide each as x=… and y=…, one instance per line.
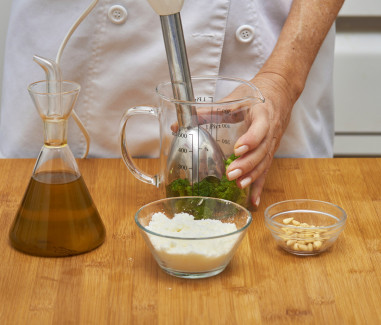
x=57, y=216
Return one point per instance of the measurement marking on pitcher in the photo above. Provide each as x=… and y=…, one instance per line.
x=192, y=165
x=225, y=112
x=218, y=110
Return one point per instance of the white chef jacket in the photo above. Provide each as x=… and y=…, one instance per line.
x=117, y=55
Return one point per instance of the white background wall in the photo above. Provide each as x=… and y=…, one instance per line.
x=357, y=79
x=366, y=8
x=5, y=6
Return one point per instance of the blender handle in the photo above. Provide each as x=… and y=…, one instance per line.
x=138, y=173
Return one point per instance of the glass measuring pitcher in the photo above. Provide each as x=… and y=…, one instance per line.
x=57, y=216
x=223, y=107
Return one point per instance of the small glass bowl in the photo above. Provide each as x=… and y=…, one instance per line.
x=196, y=256
x=305, y=227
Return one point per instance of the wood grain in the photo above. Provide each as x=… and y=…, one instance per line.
x=120, y=283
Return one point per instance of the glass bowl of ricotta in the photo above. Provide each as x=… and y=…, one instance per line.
x=193, y=237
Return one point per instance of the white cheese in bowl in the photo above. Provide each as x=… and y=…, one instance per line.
x=193, y=255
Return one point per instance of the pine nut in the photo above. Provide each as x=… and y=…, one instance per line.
x=303, y=247
x=290, y=242
x=317, y=244
x=287, y=220
x=300, y=239
x=288, y=231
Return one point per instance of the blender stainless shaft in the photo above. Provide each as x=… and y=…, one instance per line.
x=206, y=158
x=179, y=68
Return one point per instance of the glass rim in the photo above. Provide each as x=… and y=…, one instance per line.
x=248, y=222
x=341, y=221
x=76, y=87
x=239, y=81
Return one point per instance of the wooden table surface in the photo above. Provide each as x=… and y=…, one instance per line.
x=120, y=283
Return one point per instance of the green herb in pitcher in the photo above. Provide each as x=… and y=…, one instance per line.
x=210, y=187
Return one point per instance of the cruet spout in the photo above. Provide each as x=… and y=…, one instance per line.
x=53, y=87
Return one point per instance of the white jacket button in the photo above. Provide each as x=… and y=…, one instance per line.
x=117, y=14
x=244, y=33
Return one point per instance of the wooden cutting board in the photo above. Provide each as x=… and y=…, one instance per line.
x=120, y=283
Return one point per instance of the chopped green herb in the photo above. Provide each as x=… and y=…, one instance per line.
x=211, y=187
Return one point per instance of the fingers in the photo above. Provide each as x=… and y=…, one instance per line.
x=256, y=133
x=174, y=127
x=256, y=190
x=248, y=168
x=253, y=149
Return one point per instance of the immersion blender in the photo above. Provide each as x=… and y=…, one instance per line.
x=207, y=158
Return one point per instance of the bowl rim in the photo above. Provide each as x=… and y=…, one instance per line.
x=337, y=224
x=248, y=222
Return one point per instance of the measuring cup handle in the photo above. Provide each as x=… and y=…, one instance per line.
x=138, y=173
